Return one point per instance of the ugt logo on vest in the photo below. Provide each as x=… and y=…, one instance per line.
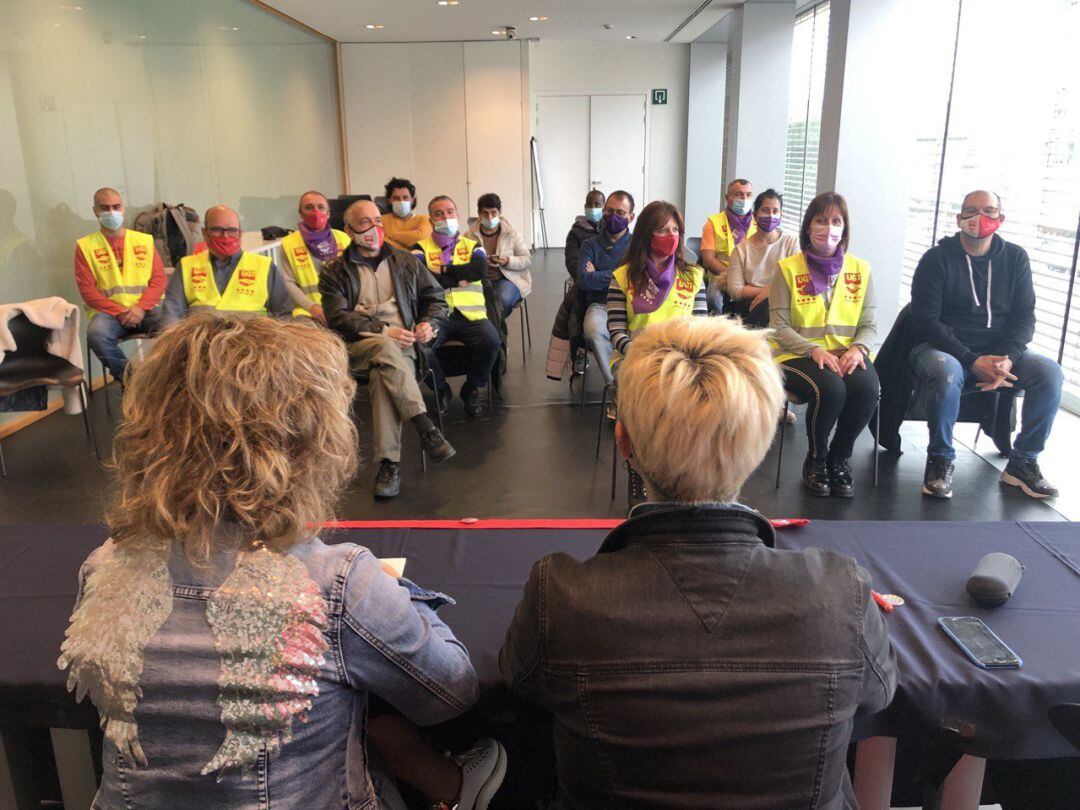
x=853, y=282
x=246, y=278
x=140, y=252
x=300, y=253
x=198, y=276
x=101, y=255
x=684, y=287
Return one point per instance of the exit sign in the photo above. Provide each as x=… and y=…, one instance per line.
x=659, y=96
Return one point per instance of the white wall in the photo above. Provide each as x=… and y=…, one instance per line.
x=704, y=133
x=448, y=118
x=761, y=36
x=587, y=68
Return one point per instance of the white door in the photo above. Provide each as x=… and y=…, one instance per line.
x=617, y=145
x=562, y=138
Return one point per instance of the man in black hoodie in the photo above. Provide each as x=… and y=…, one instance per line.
x=973, y=315
x=585, y=227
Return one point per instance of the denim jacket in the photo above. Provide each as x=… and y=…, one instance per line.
x=383, y=637
x=690, y=664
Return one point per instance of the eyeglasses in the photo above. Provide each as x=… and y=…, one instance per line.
x=215, y=231
x=993, y=213
x=619, y=211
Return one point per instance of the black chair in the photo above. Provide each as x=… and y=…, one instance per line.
x=383, y=204
x=31, y=365
x=522, y=309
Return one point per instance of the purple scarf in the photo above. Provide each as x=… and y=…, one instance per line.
x=322, y=244
x=823, y=270
x=739, y=224
x=658, y=283
x=446, y=242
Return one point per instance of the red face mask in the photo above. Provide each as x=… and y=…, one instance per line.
x=223, y=245
x=979, y=226
x=315, y=220
x=665, y=244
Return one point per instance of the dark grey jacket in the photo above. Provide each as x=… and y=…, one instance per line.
x=690, y=664
x=419, y=296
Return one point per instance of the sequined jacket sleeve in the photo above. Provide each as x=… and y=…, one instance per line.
x=395, y=646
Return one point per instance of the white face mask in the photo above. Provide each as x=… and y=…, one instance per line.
x=371, y=239
x=402, y=208
x=447, y=226
x=490, y=224
x=111, y=220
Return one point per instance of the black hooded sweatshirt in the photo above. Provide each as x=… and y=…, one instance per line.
x=969, y=306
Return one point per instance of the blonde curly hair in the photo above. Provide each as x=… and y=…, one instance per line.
x=699, y=398
x=234, y=429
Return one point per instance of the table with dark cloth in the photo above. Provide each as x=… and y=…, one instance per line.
x=484, y=565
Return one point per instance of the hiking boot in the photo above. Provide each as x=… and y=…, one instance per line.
x=483, y=768
x=635, y=487
x=471, y=397
x=840, y=481
x=1028, y=476
x=815, y=476
x=388, y=479
x=937, y=478
x=436, y=446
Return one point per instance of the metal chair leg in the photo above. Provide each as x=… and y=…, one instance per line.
x=780, y=455
x=521, y=320
x=528, y=325
x=89, y=365
x=877, y=434
x=87, y=421
x=614, y=462
x=3, y=466
x=584, y=376
x=600, y=427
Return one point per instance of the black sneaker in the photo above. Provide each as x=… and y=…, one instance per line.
x=937, y=478
x=581, y=361
x=1028, y=476
x=840, y=481
x=635, y=487
x=815, y=476
x=471, y=397
x=388, y=479
x=436, y=446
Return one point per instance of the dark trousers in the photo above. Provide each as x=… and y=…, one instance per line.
x=483, y=341
x=846, y=403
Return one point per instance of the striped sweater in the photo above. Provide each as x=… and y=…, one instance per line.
x=617, y=322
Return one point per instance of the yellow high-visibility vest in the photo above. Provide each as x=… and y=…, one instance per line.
x=246, y=293
x=468, y=300
x=725, y=237
x=307, y=276
x=678, y=304
x=125, y=287
x=832, y=328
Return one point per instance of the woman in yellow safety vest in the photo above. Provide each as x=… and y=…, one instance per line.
x=824, y=317
x=656, y=284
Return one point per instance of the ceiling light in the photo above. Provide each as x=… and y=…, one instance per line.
x=538, y=19
x=374, y=27
x=631, y=36
x=71, y=8
x=448, y=2
x=498, y=33
x=229, y=28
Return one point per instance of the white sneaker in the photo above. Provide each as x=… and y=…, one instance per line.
x=482, y=771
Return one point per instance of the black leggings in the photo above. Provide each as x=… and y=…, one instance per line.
x=846, y=403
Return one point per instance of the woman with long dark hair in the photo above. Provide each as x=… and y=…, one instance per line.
x=655, y=284
x=824, y=320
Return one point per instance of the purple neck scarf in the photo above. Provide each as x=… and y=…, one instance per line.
x=658, y=281
x=740, y=224
x=322, y=244
x=823, y=270
x=446, y=242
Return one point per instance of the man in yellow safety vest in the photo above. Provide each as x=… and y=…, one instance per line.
x=121, y=279
x=306, y=249
x=459, y=265
x=225, y=279
x=722, y=232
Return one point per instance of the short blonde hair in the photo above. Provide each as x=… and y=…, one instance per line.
x=699, y=398
x=233, y=428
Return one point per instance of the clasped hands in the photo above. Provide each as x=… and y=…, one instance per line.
x=842, y=361
x=421, y=333
x=131, y=318
x=993, y=371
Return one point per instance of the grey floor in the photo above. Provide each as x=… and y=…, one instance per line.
x=534, y=457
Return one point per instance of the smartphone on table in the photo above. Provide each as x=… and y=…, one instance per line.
x=979, y=642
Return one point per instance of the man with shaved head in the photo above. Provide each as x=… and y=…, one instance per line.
x=121, y=279
x=722, y=232
x=386, y=306
x=973, y=316
x=225, y=279
x=306, y=249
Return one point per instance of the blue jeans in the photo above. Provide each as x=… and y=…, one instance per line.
x=508, y=294
x=945, y=380
x=104, y=334
x=596, y=335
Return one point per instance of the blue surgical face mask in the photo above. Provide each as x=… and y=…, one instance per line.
x=447, y=226
x=594, y=214
x=111, y=220
x=742, y=207
x=490, y=224
x=402, y=208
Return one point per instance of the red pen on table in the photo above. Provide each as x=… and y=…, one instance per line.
x=881, y=602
